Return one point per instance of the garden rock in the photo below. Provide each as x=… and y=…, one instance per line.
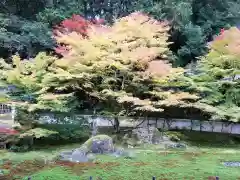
x=176, y=146
x=131, y=140
x=91, y=157
x=76, y=155
x=175, y=138
x=129, y=155
x=157, y=136
x=65, y=156
x=165, y=138
x=100, y=144
x=232, y=164
x=79, y=155
x=118, y=152
x=96, y=144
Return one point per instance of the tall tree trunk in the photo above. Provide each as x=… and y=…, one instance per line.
x=116, y=124
x=222, y=127
x=200, y=126
x=191, y=124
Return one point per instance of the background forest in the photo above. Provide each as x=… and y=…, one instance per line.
x=26, y=25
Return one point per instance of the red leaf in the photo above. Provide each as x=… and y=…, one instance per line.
x=74, y=24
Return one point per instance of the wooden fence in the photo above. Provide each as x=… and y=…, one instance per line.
x=5, y=109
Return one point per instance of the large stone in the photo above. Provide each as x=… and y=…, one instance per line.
x=96, y=144
x=157, y=136
x=76, y=155
x=65, y=156
x=79, y=155
x=100, y=144
x=145, y=135
x=131, y=140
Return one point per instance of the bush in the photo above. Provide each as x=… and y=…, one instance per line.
x=175, y=136
x=66, y=133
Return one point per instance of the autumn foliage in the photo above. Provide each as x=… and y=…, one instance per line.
x=145, y=48
x=122, y=69
x=77, y=24
x=224, y=50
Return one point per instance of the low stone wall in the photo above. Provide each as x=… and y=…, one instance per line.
x=195, y=125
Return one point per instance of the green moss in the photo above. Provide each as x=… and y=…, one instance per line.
x=58, y=173
x=176, y=135
x=89, y=142
x=185, y=164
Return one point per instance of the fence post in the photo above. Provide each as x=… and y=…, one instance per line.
x=153, y=178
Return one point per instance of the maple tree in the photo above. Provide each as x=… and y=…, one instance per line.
x=217, y=77
x=110, y=65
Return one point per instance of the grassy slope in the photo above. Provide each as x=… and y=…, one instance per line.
x=195, y=163
x=173, y=165
x=170, y=165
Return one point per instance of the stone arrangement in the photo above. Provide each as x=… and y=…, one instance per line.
x=100, y=144
x=150, y=135
x=103, y=144
x=145, y=134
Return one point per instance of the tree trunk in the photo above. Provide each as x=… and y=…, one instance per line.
x=192, y=124
x=200, y=126
x=231, y=128
x=116, y=124
x=222, y=127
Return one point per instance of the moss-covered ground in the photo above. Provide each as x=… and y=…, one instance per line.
x=194, y=163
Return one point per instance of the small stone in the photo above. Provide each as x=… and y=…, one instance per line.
x=129, y=155
x=91, y=157
x=129, y=146
x=175, y=145
x=118, y=152
x=232, y=164
x=181, y=145
x=1, y=172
